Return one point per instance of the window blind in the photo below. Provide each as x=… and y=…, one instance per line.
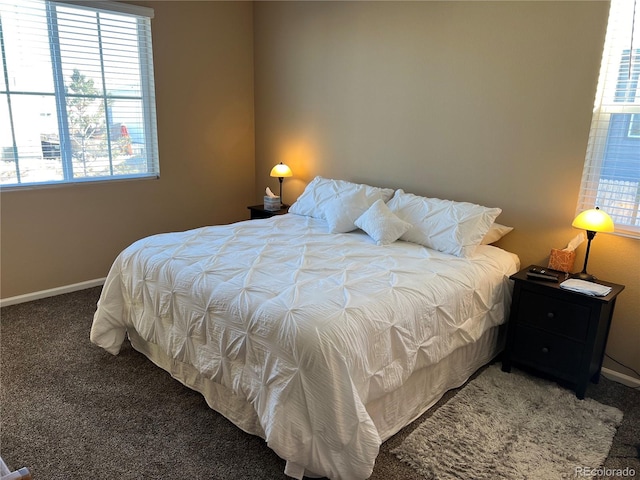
x=611, y=176
x=77, y=95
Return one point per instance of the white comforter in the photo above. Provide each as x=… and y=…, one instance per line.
x=307, y=326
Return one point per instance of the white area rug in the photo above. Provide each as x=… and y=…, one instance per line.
x=511, y=426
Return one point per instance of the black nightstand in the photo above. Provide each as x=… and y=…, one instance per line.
x=558, y=332
x=258, y=211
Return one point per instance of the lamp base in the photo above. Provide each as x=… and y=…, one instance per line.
x=584, y=276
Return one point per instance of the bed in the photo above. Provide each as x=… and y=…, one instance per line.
x=322, y=341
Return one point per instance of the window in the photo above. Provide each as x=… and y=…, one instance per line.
x=634, y=126
x=77, y=99
x=611, y=177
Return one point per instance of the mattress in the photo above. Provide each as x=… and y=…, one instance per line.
x=306, y=332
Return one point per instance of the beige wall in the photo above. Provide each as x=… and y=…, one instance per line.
x=203, y=53
x=488, y=102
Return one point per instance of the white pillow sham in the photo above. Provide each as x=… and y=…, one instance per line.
x=342, y=211
x=381, y=224
x=450, y=227
x=495, y=233
x=321, y=190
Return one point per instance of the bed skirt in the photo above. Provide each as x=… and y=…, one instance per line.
x=389, y=413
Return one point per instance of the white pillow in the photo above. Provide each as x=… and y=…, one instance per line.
x=342, y=211
x=495, y=233
x=381, y=224
x=321, y=190
x=450, y=227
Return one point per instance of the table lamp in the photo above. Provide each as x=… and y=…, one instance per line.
x=593, y=220
x=281, y=171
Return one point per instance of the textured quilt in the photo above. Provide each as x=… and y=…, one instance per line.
x=305, y=325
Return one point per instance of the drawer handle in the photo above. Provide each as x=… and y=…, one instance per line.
x=550, y=315
x=545, y=349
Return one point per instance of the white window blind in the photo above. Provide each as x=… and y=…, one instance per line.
x=77, y=96
x=611, y=177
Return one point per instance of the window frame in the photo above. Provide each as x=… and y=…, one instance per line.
x=146, y=96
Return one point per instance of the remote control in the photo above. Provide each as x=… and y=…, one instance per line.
x=542, y=274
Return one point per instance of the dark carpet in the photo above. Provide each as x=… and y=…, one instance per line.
x=69, y=410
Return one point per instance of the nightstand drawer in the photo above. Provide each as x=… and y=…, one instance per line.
x=554, y=315
x=555, y=355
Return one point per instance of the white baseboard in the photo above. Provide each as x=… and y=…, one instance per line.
x=621, y=378
x=28, y=297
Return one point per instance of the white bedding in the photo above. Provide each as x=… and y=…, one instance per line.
x=307, y=326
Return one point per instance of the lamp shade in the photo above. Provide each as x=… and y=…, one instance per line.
x=281, y=170
x=593, y=220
